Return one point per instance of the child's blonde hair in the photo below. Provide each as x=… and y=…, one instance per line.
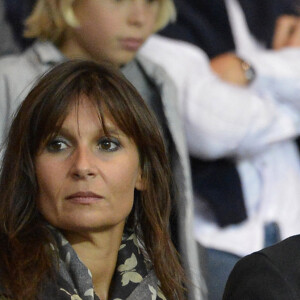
x=50, y=18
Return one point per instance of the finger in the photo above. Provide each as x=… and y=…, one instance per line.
x=294, y=40
x=285, y=26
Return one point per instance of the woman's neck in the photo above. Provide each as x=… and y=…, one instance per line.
x=99, y=252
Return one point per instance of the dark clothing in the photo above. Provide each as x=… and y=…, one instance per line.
x=270, y=274
x=217, y=265
x=206, y=23
x=218, y=184
x=8, y=44
x=16, y=12
x=149, y=91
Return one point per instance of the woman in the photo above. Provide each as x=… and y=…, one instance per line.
x=85, y=199
x=110, y=31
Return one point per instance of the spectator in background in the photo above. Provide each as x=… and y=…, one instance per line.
x=231, y=32
x=207, y=24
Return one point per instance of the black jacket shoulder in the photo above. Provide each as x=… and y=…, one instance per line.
x=270, y=274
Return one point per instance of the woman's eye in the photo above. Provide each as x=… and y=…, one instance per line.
x=108, y=144
x=56, y=145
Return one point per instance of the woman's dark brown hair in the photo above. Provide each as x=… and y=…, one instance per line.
x=25, y=259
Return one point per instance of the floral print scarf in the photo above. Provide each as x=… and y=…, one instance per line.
x=133, y=278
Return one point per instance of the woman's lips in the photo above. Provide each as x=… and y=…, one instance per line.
x=131, y=44
x=84, y=197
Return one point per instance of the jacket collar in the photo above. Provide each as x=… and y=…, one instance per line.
x=47, y=53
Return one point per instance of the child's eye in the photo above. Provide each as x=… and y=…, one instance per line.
x=109, y=144
x=57, y=145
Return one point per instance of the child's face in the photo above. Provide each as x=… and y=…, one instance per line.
x=111, y=30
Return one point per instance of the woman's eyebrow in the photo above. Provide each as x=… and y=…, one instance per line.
x=113, y=130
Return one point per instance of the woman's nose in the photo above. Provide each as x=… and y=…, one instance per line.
x=83, y=166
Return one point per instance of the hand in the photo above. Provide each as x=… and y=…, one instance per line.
x=287, y=32
x=228, y=67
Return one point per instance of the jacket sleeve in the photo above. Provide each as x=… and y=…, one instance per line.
x=222, y=119
x=278, y=71
x=256, y=277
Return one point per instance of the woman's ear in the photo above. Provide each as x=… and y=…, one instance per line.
x=140, y=184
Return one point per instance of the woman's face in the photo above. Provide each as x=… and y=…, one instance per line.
x=111, y=30
x=86, y=179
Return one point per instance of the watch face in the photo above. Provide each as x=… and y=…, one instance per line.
x=248, y=71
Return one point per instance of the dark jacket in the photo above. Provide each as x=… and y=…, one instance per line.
x=270, y=274
x=206, y=24
x=8, y=44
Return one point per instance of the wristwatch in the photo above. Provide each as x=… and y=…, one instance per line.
x=249, y=71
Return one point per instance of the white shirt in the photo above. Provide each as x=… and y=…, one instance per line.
x=255, y=125
x=270, y=179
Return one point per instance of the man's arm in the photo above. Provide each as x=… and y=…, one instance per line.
x=221, y=119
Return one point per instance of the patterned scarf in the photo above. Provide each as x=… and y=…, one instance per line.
x=133, y=279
